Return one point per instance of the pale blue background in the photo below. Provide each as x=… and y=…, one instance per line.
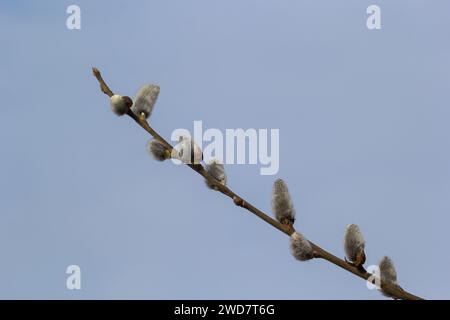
x=364, y=127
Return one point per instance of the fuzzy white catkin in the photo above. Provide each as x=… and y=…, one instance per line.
x=301, y=248
x=118, y=105
x=157, y=150
x=387, y=271
x=353, y=242
x=282, y=205
x=145, y=100
x=217, y=171
x=187, y=151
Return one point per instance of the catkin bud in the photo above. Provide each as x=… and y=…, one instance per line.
x=158, y=150
x=354, y=245
x=388, y=274
x=145, y=100
x=119, y=104
x=300, y=247
x=187, y=151
x=282, y=205
x=217, y=171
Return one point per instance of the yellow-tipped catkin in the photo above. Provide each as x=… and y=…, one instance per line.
x=354, y=245
x=187, y=151
x=145, y=100
x=158, y=150
x=217, y=171
x=387, y=271
x=118, y=105
x=282, y=206
x=300, y=247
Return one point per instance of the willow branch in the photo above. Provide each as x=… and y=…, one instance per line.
x=394, y=291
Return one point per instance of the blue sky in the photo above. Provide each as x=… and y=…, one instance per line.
x=364, y=138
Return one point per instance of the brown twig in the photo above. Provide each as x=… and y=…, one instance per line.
x=394, y=291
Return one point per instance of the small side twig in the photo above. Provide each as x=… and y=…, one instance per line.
x=394, y=291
